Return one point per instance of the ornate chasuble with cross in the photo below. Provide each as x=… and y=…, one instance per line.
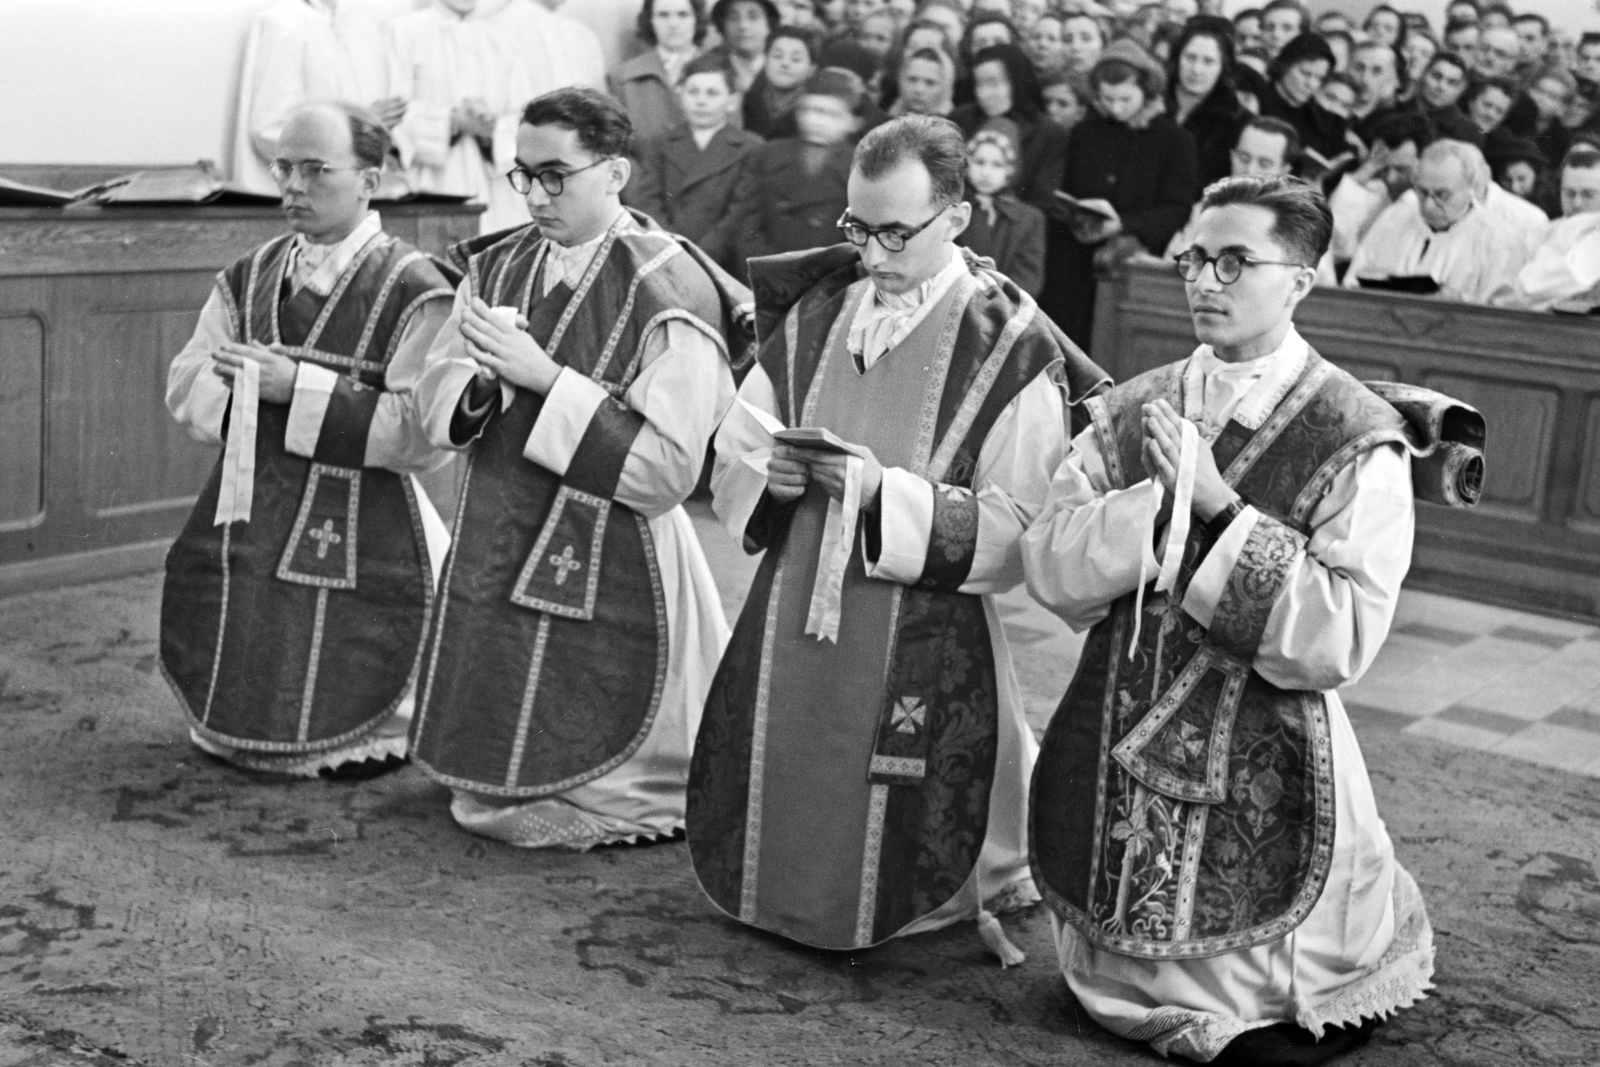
x=1182, y=805
x=301, y=630
x=840, y=792
x=548, y=655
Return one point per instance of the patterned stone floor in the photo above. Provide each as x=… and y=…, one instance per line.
x=159, y=909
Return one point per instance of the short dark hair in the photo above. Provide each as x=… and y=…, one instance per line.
x=1457, y=25
x=1289, y=5
x=1590, y=38
x=1401, y=126
x=1483, y=85
x=1452, y=58
x=647, y=32
x=1306, y=46
x=804, y=34
x=599, y=121
x=1302, y=221
x=1292, y=145
x=711, y=63
x=1529, y=16
x=936, y=143
x=1584, y=155
x=721, y=9
x=369, y=139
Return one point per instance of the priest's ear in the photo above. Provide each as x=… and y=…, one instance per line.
x=960, y=218
x=371, y=179
x=618, y=171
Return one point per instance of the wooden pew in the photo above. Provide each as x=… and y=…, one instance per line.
x=95, y=476
x=1534, y=541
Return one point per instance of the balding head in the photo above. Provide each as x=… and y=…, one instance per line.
x=1451, y=177
x=328, y=164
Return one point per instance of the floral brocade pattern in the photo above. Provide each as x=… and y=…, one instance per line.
x=953, y=538
x=1241, y=615
x=935, y=828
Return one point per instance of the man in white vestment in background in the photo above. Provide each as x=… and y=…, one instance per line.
x=305, y=52
x=1442, y=228
x=1564, y=272
x=1202, y=821
x=466, y=90
x=556, y=51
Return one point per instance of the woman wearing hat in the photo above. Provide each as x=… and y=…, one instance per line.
x=1130, y=180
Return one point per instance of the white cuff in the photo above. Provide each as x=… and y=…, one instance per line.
x=572, y=402
x=1211, y=577
x=1583, y=260
x=739, y=490
x=905, y=525
x=313, y=388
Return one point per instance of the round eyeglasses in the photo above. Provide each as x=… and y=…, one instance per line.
x=553, y=182
x=892, y=238
x=1229, y=265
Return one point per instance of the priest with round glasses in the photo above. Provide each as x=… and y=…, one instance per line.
x=1234, y=527
x=861, y=768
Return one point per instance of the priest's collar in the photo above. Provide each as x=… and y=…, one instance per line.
x=318, y=266
x=564, y=263
x=1245, y=392
x=883, y=320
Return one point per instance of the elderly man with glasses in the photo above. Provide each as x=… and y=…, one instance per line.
x=861, y=769
x=1234, y=527
x=1442, y=236
x=298, y=594
x=583, y=369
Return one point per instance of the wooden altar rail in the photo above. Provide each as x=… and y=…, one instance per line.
x=1534, y=541
x=95, y=476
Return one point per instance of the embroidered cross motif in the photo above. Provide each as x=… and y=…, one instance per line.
x=564, y=564
x=325, y=538
x=908, y=715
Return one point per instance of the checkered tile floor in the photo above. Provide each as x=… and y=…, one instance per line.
x=1454, y=671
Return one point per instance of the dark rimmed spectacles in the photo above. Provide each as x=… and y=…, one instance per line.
x=892, y=238
x=553, y=182
x=1229, y=265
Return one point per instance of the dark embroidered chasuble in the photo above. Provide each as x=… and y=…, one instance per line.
x=840, y=792
x=547, y=659
x=1182, y=805
x=301, y=630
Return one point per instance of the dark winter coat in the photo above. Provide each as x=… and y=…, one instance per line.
x=689, y=189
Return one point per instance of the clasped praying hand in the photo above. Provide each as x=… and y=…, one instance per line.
x=791, y=469
x=277, y=370
x=506, y=350
x=1163, y=448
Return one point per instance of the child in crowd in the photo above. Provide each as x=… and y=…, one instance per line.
x=1066, y=98
x=792, y=192
x=770, y=102
x=687, y=175
x=1003, y=228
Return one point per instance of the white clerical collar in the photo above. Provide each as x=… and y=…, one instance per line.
x=1248, y=392
x=883, y=320
x=568, y=264
x=317, y=266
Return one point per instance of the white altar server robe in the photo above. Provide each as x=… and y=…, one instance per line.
x=555, y=50
x=1564, y=272
x=1470, y=260
x=303, y=52
x=445, y=58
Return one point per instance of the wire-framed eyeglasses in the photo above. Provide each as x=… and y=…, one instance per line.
x=553, y=182
x=310, y=170
x=892, y=238
x=1229, y=265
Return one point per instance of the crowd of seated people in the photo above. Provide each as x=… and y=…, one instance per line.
x=1461, y=156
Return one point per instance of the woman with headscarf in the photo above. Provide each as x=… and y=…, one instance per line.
x=918, y=35
x=647, y=84
x=1005, y=87
x=1130, y=182
x=927, y=80
x=1200, y=95
x=1290, y=94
